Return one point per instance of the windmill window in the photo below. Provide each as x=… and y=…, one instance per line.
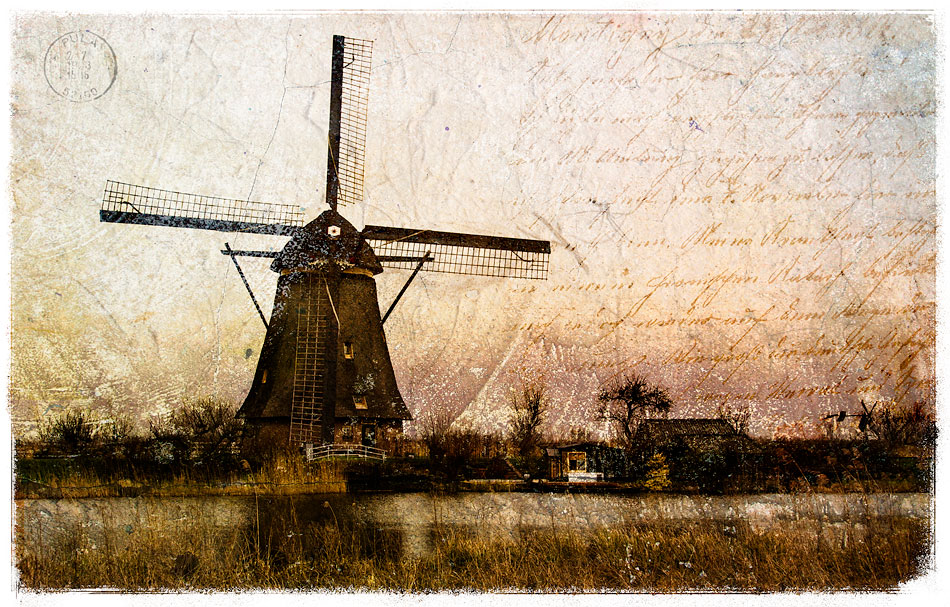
x=359, y=402
x=264, y=377
x=347, y=349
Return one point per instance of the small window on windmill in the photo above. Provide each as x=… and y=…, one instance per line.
x=359, y=402
x=264, y=377
x=347, y=432
x=333, y=231
x=347, y=349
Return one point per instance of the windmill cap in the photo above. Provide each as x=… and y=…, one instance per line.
x=328, y=240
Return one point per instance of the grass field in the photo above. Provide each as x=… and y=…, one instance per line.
x=873, y=553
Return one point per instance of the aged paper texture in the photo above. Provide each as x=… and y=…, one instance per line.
x=741, y=207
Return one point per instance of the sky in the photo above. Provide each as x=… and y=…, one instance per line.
x=741, y=207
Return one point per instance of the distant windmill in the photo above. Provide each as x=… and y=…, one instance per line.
x=325, y=361
x=865, y=416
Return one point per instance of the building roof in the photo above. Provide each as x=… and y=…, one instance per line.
x=585, y=446
x=327, y=240
x=660, y=430
x=576, y=445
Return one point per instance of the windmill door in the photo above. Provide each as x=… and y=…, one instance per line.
x=369, y=435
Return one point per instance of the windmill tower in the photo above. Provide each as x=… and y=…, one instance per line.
x=324, y=375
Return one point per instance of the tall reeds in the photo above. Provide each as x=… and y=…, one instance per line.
x=275, y=550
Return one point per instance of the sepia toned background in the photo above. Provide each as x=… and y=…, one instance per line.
x=742, y=208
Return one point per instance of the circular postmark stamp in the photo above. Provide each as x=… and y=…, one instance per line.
x=80, y=66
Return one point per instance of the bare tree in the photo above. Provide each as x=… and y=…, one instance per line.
x=442, y=440
x=580, y=434
x=529, y=406
x=434, y=430
x=896, y=425
x=737, y=418
x=628, y=401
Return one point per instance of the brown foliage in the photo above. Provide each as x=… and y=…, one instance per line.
x=202, y=430
x=896, y=425
x=338, y=553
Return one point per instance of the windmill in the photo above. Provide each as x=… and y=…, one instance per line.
x=324, y=374
x=863, y=422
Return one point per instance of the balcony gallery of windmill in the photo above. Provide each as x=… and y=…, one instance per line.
x=324, y=381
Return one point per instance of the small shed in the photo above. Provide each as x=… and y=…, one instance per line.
x=584, y=462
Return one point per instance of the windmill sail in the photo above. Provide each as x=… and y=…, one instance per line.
x=349, y=99
x=126, y=203
x=456, y=253
x=324, y=373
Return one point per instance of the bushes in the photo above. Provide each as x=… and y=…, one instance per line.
x=79, y=432
x=203, y=431
x=450, y=449
x=793, y=465
x=897, y=425
x=72, y=433
x=199, y=441
x=658, y=474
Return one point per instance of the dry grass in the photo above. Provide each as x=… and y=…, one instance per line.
x=874, y=553
x=281, y=474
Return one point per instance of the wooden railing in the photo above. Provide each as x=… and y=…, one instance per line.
x=343, y=450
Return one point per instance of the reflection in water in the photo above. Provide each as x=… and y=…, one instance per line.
x=286, y=529
x=485, y=541
x=387, y=526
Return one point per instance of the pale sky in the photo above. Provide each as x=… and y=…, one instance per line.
x=741, y=207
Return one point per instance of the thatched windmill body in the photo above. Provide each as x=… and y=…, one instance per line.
x=324, y=374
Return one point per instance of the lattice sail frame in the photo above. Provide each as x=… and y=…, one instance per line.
x=354, y=105
x=456, y=253
x=127, y=203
